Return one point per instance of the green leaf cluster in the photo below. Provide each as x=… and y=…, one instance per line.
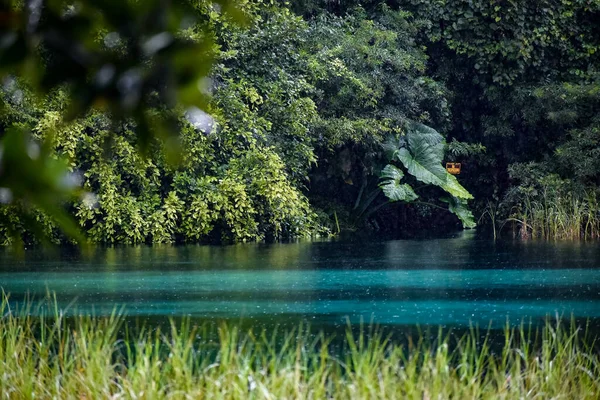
x=422, y=155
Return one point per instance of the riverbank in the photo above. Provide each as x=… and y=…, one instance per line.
x=93, y=358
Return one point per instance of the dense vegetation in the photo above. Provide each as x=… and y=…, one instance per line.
x=315, y=117
x=54, y=357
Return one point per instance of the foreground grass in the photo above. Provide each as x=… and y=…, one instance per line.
x=95, y=358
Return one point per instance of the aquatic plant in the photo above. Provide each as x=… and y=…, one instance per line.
x=555, y=209
x=90, y=357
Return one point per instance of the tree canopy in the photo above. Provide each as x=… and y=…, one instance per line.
x=148, y=121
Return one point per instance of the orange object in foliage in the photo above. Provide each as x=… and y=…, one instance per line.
x=453, y=168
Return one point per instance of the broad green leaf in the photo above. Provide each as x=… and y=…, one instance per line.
x=424, y=155
x=398, y=192
x=420, y=132
x=455, y=189
x=423, y=159
x=392, y=145
x=392, y=172
x=422, y=163
x=459, y=208
x=391, y=186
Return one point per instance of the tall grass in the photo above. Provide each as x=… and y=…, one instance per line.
x=555, y=212
x=97, y=358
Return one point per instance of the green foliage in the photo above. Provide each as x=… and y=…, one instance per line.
x=133, y=60
x=421, y=152
x=267, y=68
x=92, y=357
x=458, y=206
x=128, y=58
x=562, y=138
x=547, y=206
x=371, y=77
x=391, y=186
x=230, y=183
x=38, y=182
x=131, y=199
x=507, y=43
x=573, y=111
x=458, y=150
x=524, y=83
x=294, y=108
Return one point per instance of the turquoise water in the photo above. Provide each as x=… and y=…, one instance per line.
x=455, y=281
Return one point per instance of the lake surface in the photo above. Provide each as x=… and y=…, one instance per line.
x=454, y=281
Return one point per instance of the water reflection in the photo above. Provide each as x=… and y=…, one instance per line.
x=452, y=281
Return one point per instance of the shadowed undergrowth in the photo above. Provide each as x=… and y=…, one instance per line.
x=101, y=357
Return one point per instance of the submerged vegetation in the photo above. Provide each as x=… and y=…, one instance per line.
x=93, y=357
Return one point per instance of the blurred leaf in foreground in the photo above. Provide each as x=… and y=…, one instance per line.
x=136, y=60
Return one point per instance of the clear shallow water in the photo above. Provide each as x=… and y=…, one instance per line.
x=453, y=282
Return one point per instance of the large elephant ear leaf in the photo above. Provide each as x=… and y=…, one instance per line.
x=391, y=172
x=422, y=163
x=421, y=152
x=416, y=135
x=459, y=208
x=420, y=132
x=391, y=146
x=455, y=189
x=391, y=186
x=423, y=159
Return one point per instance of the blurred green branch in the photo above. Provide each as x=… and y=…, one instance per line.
x=136, y=60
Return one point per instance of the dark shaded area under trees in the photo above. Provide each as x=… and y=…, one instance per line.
x=320, y=116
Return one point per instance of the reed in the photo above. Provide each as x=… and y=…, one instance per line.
x=555, y=213
x=96, y=358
